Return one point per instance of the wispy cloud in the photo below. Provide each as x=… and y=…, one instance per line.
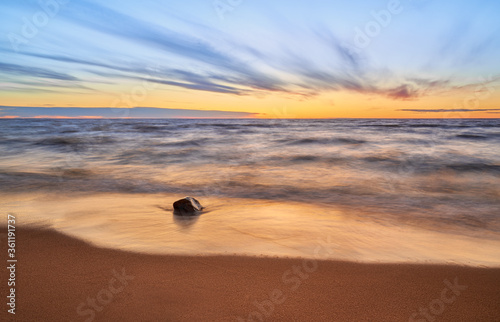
x=231, y=75
x=109, y=21
x=443, y=110
x=107, y=112
x=287, y=57
x=31, y=71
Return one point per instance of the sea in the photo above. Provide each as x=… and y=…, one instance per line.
x=375, y=190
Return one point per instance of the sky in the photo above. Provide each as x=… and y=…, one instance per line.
x=242, y=58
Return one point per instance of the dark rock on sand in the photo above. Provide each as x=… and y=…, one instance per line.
x=187, y=207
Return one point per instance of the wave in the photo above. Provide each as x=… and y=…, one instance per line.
x=472, y=136
x=381, y=166
x=304, y=158
x=325, y=141
x=185, y=143
x=73, y=142
x=64, y=143
x=149, y=128
x=474, y=167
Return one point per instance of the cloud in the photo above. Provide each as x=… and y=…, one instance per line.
x=463, y=45
x=107, y=112
x=342, y=49
x=348, y=69
x=108, y=21
x=450, y=110
x=34, y=72
x=169, y=76
x=403, y=92
x=200, y=63
x=20, y=89
x=205, y=86
x=233, y=75
x=413, y=88
x=34, y=85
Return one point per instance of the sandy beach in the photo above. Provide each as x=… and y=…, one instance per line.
x=59, y=278
x=227, y=160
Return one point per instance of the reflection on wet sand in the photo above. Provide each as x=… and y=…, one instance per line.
x=146, y=223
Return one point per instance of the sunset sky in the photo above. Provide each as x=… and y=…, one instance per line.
x=250, y=58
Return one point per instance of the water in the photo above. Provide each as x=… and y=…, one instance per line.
x=439, y=176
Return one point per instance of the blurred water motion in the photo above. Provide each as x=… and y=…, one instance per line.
x=439, y=175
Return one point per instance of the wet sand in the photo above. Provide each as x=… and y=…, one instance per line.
x=144, y=223
x=59, y=278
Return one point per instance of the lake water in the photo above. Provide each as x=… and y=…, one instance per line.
x=380, y=190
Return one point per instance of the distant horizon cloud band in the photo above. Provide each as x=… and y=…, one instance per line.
x=160, y=59
x=107, y=112
x=10, y=112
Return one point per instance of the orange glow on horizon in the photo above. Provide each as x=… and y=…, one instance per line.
x=338, y=104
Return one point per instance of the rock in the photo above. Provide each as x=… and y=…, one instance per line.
x=187, y=207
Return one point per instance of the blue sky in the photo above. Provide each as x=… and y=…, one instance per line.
x=201, y=54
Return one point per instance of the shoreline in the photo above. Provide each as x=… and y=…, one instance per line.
x=143, y=223
x=60, y=278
